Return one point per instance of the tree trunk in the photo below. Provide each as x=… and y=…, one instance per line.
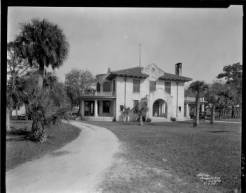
x=26, y=111
x=233, y=112
x=219, y=113
x=16, y=111
x=7, y=119
x=38, y=132
x=40, y=80
x=196, y=120
x=79, y=112
x=212, y=114
x=140, y=120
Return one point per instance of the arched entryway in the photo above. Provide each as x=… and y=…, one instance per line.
x=160, y=108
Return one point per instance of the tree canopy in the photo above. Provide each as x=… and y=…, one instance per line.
x=42, y=44
x=77, y=82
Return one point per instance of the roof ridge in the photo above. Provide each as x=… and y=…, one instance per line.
x=127, y=69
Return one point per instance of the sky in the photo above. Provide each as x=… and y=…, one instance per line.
x=203, y=40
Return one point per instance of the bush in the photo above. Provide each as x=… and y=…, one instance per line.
x=148, y=120
x=173, y=119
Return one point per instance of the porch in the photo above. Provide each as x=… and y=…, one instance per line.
x=97, y=109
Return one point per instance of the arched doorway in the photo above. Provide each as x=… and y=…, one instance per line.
x=160, y=108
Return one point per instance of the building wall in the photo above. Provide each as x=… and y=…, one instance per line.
x=177, y=93
x=160, y=93
x=20, y=111
x=123, y=84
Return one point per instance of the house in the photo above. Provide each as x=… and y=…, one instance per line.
x=115, y=89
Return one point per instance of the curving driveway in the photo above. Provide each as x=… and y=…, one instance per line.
x=78, y=167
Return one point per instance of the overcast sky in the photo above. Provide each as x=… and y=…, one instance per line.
x=204, y=40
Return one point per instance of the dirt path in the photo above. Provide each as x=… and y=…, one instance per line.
x=78, y=167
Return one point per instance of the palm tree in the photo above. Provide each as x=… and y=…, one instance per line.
x=42, y=44
x=198, y=87
x=212, y=100
x=141, y=109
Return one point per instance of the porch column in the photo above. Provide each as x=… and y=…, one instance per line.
x=82, y=108
x=187, y=111
x=202, y=107
x=95, y=109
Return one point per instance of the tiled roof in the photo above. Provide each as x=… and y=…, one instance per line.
x=101, y=77
x=168, y=76
x=129, y=72
x=137, y=73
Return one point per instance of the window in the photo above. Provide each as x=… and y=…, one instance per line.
x=152, y=86
x=136, y=85
x=106, y=87
x=98, y=87
x=106, y=106
x=121, y=108
x=168, y=87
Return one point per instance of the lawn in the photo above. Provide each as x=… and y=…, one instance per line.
x=186, y=151
x=19, y=149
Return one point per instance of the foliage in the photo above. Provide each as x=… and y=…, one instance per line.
x=16, y=68
x=141, y=109
x=42, y=44
x=173, y=119
x=233, y=76
x=15, y=95
x=77, y=82
x=232, y=73
x=148, y=120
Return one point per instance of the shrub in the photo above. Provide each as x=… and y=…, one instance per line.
x=173, y=119
x=148, y=120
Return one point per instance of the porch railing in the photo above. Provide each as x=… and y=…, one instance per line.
x=101, y=94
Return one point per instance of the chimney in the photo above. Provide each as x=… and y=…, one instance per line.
x=109, y=70
x=178, y=69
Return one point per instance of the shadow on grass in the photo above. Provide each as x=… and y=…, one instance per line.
x=222, y=131
x=20, y=134
x=21, y=131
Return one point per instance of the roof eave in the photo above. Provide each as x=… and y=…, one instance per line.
x=112, y=75
x=179, y=80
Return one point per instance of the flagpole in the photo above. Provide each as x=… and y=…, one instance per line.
x=139, y=54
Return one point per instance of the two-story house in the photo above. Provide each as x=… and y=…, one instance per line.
x=115, y=89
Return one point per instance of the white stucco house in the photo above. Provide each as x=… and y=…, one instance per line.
x=115, y=89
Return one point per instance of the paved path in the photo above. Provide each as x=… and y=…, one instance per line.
x=78, y=167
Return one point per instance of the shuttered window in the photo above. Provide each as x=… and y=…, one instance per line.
x=168, y=87
x=106, y=87
x=136, y=85
x=152, y=86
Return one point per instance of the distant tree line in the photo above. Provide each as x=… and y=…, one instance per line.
x=223, y=97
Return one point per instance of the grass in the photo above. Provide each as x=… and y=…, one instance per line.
x=19, y=149
x=186, y=151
